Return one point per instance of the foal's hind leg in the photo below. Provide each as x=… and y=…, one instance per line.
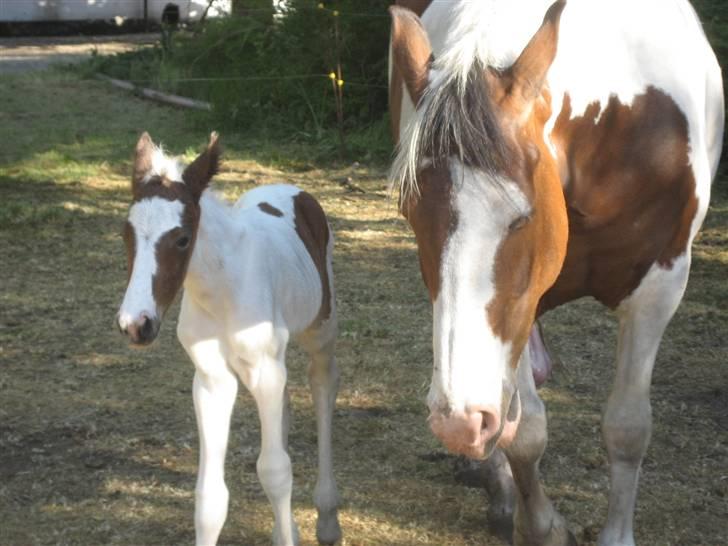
x=627, y=420
x=536, y=522
x=323, y=375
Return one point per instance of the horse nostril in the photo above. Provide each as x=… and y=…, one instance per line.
x=146, y=329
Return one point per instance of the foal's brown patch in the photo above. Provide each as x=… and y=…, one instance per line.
x=630, y=194
x=269, y=209
x=313, y=229
x=171, y=262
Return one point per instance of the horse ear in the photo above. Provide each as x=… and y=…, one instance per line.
x=198, y=174
x=142, y=159
x=528, y=73
x=411, y=50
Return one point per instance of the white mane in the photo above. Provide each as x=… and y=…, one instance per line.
x=465, y=36
x=165, y=166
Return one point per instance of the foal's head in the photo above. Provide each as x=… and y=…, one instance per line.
x=160, y=233
x=481, y=190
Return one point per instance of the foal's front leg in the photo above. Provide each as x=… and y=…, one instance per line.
x=266, y=380
x=536, y=522
x=214, y=389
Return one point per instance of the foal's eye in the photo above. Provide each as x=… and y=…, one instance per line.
x=183, y=242
x=519, y=222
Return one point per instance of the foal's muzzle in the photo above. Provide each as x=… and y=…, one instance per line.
x=141, y=330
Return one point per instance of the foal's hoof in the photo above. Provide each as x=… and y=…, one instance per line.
x=328, y=531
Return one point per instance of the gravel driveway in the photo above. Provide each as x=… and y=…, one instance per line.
x=37, y=53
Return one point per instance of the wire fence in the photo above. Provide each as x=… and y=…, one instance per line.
x=335, y=76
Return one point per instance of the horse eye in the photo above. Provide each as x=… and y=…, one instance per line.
x=183, y=242
x=519, y=222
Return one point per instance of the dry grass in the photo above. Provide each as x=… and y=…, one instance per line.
x=98, y=442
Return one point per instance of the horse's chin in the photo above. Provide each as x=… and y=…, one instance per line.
x=142, y=345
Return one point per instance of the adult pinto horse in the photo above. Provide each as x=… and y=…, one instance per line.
x=536, y=165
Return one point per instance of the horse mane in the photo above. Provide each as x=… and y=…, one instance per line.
x=455, y=117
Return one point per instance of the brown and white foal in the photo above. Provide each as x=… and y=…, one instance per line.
x=255, y=274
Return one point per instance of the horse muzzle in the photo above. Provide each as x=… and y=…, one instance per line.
x=476, y=431
x=141, y=330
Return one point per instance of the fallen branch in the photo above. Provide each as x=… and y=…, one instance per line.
x=153, y=94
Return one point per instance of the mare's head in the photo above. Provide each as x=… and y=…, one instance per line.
x=481, y=190
x=160, y=233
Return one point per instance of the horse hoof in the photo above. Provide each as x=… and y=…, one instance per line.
x=500, y=525
x=328, y=531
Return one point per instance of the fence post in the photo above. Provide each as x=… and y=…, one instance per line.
x=338, y=82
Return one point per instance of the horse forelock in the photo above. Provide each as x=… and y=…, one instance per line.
x=455, y=118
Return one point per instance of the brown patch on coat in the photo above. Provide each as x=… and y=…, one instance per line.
x=630, y=194
x=411, y=57
x=530, y=257
x=433, y=220
x=313, y=230
x=269, y=209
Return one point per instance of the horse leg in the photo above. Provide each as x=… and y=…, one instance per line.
x=536, y=522
x=267, y=383
x=495, y=476
x=214, y=389
x=323, y=376
x=627, y=419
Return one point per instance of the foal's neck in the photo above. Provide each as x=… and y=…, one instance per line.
x=215, y=232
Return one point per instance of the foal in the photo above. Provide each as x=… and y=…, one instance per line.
x=255, y=274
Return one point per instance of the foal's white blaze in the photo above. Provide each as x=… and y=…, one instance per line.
x=470, y=359
x=150, y=219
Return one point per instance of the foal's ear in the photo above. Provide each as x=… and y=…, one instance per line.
x=198, y=174
x=528, y=73
x=142, y=159
x=411, y=50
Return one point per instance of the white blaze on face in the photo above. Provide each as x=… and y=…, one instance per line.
x=470, y=360
x=150, y=219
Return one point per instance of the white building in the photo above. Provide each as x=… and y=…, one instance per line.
x=27, y=11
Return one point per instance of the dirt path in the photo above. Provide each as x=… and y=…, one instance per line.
x=38, y=53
